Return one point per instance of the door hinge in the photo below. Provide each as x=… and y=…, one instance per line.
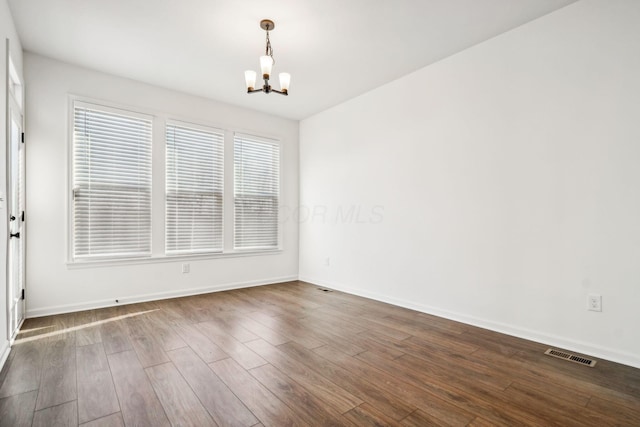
x=22, y=297
x=22, y=137
x=22, y=216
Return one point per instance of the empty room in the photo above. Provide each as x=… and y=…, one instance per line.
x=331, y=213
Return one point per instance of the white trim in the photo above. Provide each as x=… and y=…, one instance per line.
x=125, y=112
x=215, y=132
x=190, y=125
x=264, y=140
x=228, y=205
x=528, y=334
x=109, y=262
x=70, y=308
x=13, y=338
x=4, y=354
x=257, y=138
x=14, y=113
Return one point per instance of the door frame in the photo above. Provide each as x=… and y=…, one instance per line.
x=14, y=112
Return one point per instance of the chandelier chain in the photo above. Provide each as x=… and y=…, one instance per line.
x=269, y=49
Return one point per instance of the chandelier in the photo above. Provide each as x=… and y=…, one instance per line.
x=266, y=64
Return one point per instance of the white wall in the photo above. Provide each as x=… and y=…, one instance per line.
x=7, y=31
x=508, y=181
x=52, y=285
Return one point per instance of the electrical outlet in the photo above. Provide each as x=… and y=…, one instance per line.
x=327, y=262
x=186, y=268
x=594, y=302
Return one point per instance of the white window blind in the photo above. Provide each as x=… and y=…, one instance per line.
x=111, y=182
x=195, y=160
x=256, y=192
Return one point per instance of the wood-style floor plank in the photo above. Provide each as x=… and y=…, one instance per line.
x=113, y=420
x=203, y=346
x=96, y=393
x=440, y=362
x=24, y=368
x=36, y=327
x=225, y=408
x=311, y=409
x=420, y=418
x=519, y=366
x=409, y=393
x=623, y=413
x=382, y=398
x=265, y=405
x=466, y=401
x=58, y=384
x=63, y=327
x=367, y=415
x=260, y=330
x=289, y=330
x=328, y=334
x=290, y=354
x=234, y=329
x=87, y=330
x=113, y=333
x=65, y=415
x=180, y=403
x=332, y=394
x=138, y=401
x=161, y=329
x=242, y=354
x=17, y=411
x=150, y=352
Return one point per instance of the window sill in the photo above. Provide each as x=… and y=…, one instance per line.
x=72, y=265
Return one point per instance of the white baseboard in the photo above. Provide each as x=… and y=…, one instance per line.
x=4, y=353
x=528, y=334
x=89, y=305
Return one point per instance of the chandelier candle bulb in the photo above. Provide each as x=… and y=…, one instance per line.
x=250, y=78
x=266, y=63
x=285, y=80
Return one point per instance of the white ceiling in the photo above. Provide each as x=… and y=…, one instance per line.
x=334, y=49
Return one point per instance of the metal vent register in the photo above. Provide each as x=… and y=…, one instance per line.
x=571, y=357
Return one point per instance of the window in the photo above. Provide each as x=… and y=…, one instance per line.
x=111, y=182
x=256, y=192
x=215, y=193
x=194, y=184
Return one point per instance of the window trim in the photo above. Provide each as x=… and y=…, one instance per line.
x=159, y=121
x=202, y=128
x=264, y=140
x=82, y=103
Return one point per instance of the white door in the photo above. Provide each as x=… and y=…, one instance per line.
x=16, y=204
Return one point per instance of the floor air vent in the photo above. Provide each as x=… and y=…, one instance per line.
x=570, y=357
x=325, y=290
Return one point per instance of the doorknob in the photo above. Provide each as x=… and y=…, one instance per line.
x=17, y=235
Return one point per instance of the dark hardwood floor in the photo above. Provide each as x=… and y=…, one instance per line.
x=290, y=354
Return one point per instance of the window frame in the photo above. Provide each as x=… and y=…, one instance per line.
x=158, y=188
x=279, y=232
x=172, y=122
x=70, y=186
